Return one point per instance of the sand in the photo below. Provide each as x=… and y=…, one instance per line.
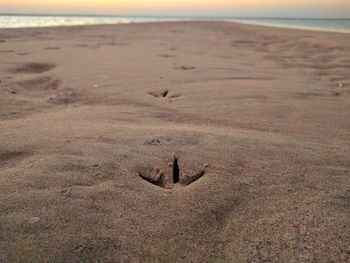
x=263, y=113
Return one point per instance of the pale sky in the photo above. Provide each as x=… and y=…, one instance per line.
x=271, y=8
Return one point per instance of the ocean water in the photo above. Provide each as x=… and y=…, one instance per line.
x=15, y=21
x=20, y=21
x=328, y=25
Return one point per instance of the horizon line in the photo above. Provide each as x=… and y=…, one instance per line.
x=169, y=16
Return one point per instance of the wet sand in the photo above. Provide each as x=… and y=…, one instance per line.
x=91, y=116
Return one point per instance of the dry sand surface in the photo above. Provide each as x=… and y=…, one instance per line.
x=89, y=114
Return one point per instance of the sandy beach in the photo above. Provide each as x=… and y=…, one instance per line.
x=258, y=119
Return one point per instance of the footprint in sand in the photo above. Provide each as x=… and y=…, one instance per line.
x=32, y=68
x=52, y=48
x=171, y=174
x=175, y=95
x=159, y=94
x=164, y=94
x=166, y=56
x=65, y=97
x=10, y=157
x=23, y=53
x=187, y=67
x=43, y=83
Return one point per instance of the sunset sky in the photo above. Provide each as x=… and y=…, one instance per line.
x=274, y=8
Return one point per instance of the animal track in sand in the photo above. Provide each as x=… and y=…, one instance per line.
x=23, y=53
x=7, y=157
x=52, y=48
x=154, y=142
x=40, y=83
x=66, y=97
x=173, y=96
x=166, y=56
x=171, y=175
x=159, y=94
x=173, y=140
x=164, y=94
x=187, y=67
x=32, y=68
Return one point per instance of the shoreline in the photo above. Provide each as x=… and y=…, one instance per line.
x=347, y=31
x=275, y=28
x=159, y=19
